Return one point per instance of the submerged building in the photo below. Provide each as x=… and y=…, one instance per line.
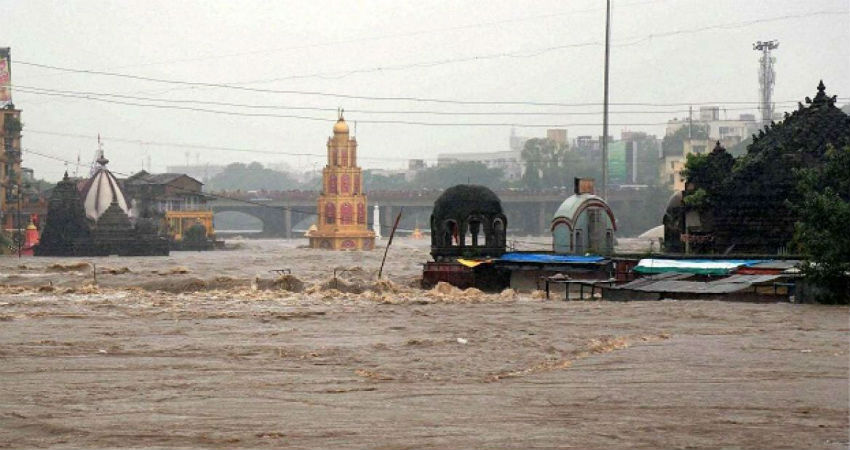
x=584, y=223
x=467, y=222
x=95, y=220
x=342, y=203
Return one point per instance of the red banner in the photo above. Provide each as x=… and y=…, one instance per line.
x=5, y=77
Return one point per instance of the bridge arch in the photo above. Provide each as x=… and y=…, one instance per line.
x=276, y=220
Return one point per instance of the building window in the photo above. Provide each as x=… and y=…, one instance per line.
x=345, y=183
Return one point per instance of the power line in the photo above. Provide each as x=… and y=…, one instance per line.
x=530, y=53
x=47, y=91
x=371, y=121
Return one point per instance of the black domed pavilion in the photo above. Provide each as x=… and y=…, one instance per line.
x=467, y=221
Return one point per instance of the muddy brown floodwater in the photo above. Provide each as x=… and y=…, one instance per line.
x=213, y=350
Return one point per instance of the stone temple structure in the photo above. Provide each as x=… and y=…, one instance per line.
x=467, y=222
x=95, y=222
x=742, y=206
x=467, y=232
x=342, y=203
x=584, y=223
x=66, y=232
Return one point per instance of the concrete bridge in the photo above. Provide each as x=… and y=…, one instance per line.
x=528, y=212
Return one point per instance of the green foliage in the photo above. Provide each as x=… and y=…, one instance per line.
x=466, y=172
x=821, y=232
x=550, y=164
x=253, y=176
x=195, y=234
x=697, y=199
x=708, y=173
x=674, y=144
x=708, y=169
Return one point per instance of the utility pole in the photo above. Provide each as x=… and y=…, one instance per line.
x=605, y=102
x=767, y=78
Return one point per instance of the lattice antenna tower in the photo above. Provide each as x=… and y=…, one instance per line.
x=767, y=78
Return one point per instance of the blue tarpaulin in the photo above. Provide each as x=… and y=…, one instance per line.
x=549, y=258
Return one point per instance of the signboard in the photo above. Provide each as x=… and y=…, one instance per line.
x=617, y=162
x=5, y=77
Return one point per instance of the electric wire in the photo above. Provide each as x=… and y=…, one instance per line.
x=536, y=52
x=86, y=94
x=367, y=121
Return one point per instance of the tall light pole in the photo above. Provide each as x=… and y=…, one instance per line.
x=605, y=102
x=767, y=78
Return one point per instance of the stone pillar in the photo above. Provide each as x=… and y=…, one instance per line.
x=388, y=219
x=287, y=222
x=376, y=222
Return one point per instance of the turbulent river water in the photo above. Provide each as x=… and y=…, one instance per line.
x=216, y=349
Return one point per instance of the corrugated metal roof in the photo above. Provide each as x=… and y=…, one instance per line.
x=726, y=285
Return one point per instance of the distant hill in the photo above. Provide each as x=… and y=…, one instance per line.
x=846, y=109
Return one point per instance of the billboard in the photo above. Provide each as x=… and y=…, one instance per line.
x=5, y=78
x=617, y=162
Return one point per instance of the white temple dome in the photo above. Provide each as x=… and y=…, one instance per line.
x=100, y=191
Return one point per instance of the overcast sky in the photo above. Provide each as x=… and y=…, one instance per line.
x=674, y=51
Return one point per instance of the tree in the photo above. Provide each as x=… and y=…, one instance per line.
x=251, y=177
x=707, y=173
x=531, y=156
x=821, y=232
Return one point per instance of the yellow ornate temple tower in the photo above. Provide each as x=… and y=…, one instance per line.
x=342, y=203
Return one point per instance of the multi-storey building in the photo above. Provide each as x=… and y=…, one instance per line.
x=175, y=198
x=10, y=161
